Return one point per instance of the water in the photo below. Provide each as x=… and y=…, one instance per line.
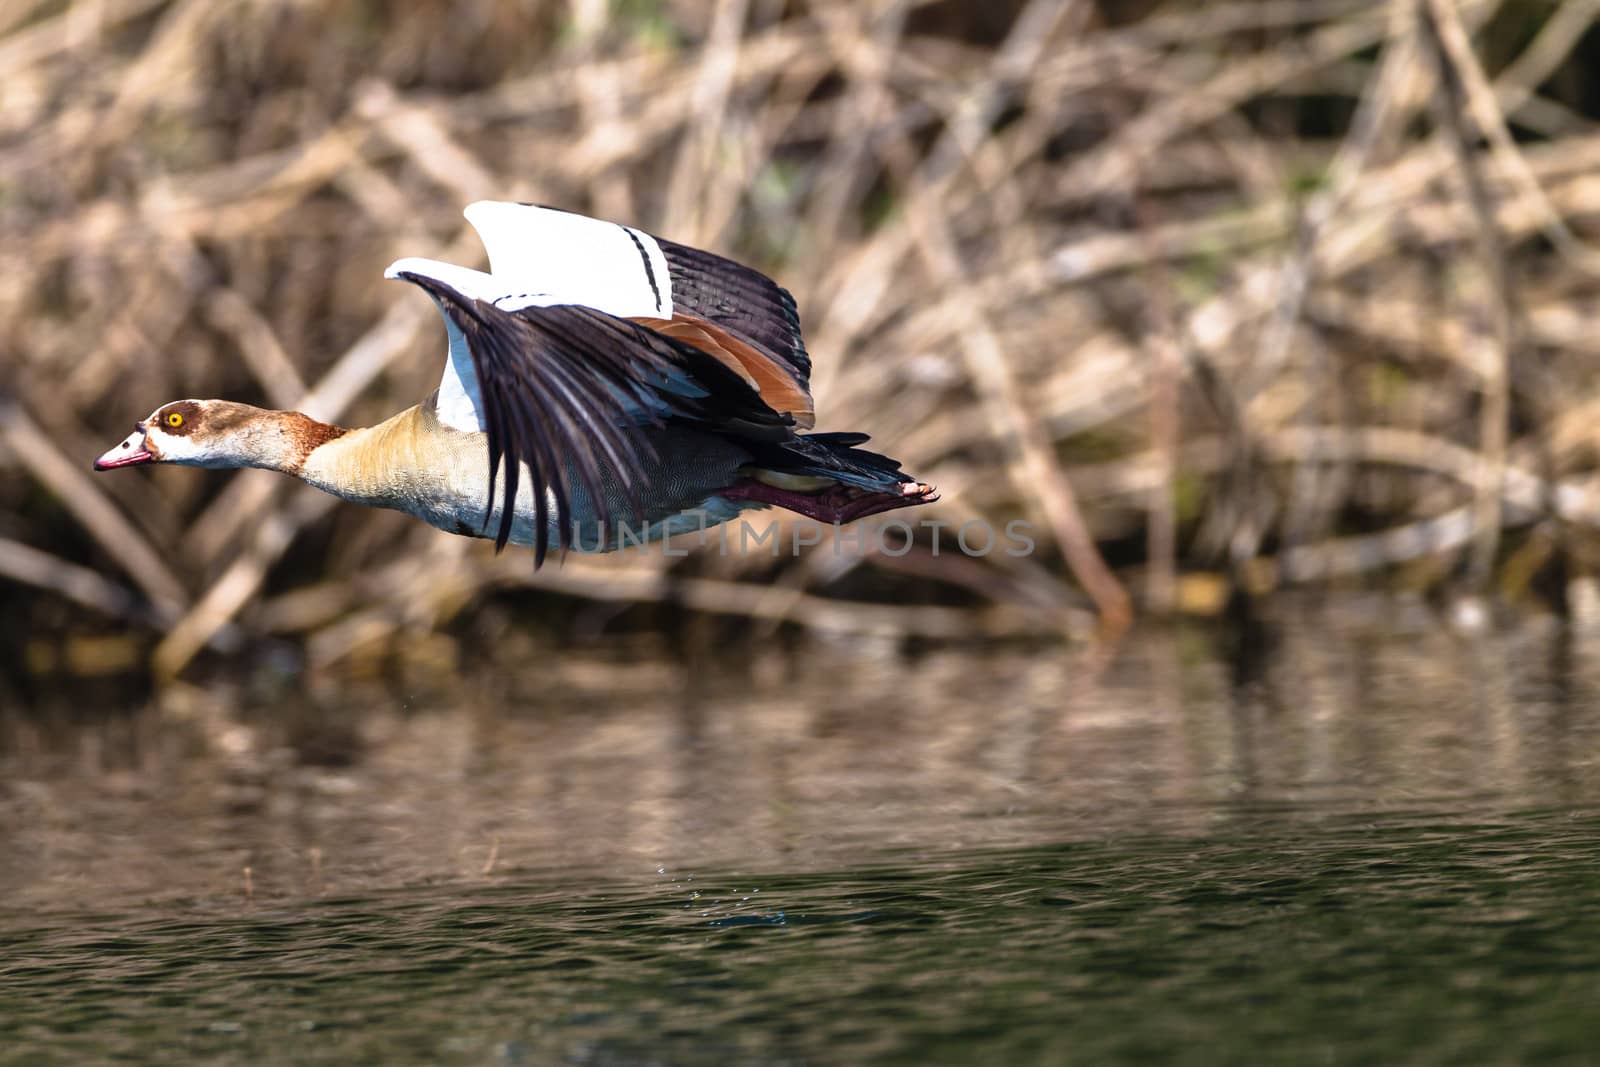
x=1379, y=843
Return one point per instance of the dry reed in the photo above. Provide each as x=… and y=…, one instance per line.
x=1285, y=290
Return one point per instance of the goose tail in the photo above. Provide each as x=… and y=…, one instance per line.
x=825, y=475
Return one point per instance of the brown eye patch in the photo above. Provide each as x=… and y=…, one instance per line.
x=179, y=419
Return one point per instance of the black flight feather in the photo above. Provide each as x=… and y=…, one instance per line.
x=568, y=390
x=738, y=299
x=728, y=293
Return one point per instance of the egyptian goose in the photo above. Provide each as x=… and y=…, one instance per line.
x=602, y=387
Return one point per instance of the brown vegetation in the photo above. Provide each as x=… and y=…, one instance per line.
x=1280, y=290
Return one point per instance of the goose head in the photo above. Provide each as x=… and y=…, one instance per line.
x=218, y=434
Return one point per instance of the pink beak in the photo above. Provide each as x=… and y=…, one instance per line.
x=131, y=451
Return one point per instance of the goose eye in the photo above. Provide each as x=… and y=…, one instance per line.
x=174, y=419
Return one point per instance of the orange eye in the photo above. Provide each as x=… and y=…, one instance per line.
x=174, y=419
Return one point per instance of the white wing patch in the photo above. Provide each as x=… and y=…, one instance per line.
x=459, y=402
x=541, y=256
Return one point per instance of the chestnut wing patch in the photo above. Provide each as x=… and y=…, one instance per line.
x=767, y=375
x=568, y=390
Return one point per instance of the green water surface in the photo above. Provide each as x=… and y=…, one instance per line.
x=1383, y=846
x=1365, y=941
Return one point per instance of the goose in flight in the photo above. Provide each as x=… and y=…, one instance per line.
x=602, y=387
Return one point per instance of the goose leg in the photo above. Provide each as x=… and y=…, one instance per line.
x=839, y=504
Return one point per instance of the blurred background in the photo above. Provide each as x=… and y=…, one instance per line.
x=1221, y=298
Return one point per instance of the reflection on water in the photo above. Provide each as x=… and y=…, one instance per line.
x=1382, y=840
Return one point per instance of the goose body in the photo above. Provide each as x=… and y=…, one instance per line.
x=601, y=387
x=414, y=463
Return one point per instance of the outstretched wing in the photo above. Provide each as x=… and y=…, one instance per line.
x=541, y=255
x=568, y=391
